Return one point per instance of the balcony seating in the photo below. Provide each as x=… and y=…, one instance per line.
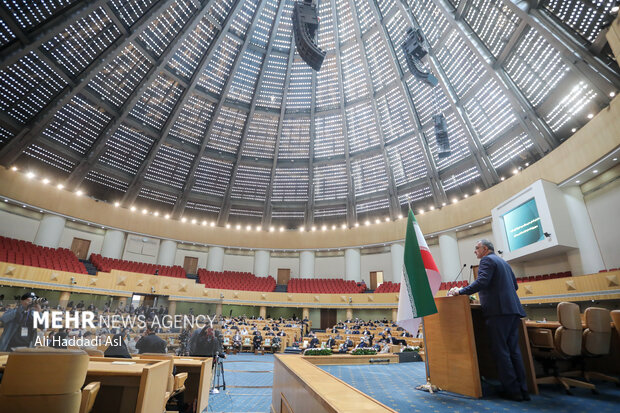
x=543, y=277
x=26, y=253
x=324, y=286
x=107, y=264
x=388, y=287
x=235, y=280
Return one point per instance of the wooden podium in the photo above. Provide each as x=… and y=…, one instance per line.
x=459, y=349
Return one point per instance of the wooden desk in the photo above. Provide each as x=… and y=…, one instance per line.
x=459, y=351
x=198, y=381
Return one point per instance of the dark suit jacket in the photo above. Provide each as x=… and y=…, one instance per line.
x=497, y=287
x=151, y=344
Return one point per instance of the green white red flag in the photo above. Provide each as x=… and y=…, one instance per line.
x=420, y=280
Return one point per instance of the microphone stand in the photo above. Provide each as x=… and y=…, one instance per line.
x=457, y=275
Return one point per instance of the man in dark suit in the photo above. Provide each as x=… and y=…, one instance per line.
x=330, y=342
x=502, y=310
x=150, y=343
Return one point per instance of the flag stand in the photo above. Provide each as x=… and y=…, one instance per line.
x=428, y=387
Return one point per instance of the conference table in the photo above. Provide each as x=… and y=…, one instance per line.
x=198, y=381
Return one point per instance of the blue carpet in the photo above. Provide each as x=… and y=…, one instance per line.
x=394, y=385
x=249, y=379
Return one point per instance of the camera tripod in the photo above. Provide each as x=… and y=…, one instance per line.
x=219, y=381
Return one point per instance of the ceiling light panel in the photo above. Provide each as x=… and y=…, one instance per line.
x=157, y=101
x=346, y=31
x=407, y=161
x=6, y=35
x=27, y=86
x=212, y=177
x=251, y=182
x=186, y=58
x=372, y=205
x=584, y=17
x=535, y=66
x=571, y=105
x=265, y=21
x=50, y=158
x=460, y=179
x=126, y=149
x=379, y=63
x=454, y=56
x=327, y=83
x=299, y=94
x=77, y=125
x=416, y=194
x=509, y=150
x=272, y=86
x=243, y=17
x=31, y=13
x=354, y=79
x=193, y=120
x=5, y=136
x=330, y=182
x=326, y=36
x=283, y=34
x=245, y=78
x=369, y=175
x=295, y=139
x=492, y=22
x=364, y=15
x=202, y=207
x=220, y=9
x=361, y=128
x=397, y=27
x=244, y=212
x=431, y=20
x=80, y=43
x=107, y=181
x=130, y=11
x=157, y=196
x=118, y=79
x=334, y=211
x=217, y=71
x=170, y=167
x=329, y=136
x=290, y=185
x=426, y=100
x=260, y=138
x=159, y=33
x=394, y=115
x=226, y=132
x=287, y=214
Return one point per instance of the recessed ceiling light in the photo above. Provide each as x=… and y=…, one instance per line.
x=272, y=229
x=387, y=219
x=156, y=213
x=204, y=222
x=79, y=193
x=477, y=190
x=502, y=178
x=227, y=225
x=420, y=211
x=13, y=168
x=454, y=200
x=590, y=115
x=400, y=216
x=117, y=204
x=166, y=216
x=30, y=175
x=238, y=227
x=281, y=229
x=301, y=229
x=515, y=171
x=577, y=181
x=432, y=207
x=324, y=228
x=60, y=186
x=595, y=171
x=259, y=228
x=377, y=221
x=527, y=164
x=614, y=159
x=248, y=227
x=443, y=204
x=612, y=94
x=333, y=227
x=132, y=209
x=183, y=219
x=465, y=196
x=313, y=228
x=45, y=181
x=146, y=211
x=212, y=223
x=343, y=226
x=573, y=130
x=367, y=222
x=357, y=224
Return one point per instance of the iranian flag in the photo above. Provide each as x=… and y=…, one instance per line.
x=420, y=280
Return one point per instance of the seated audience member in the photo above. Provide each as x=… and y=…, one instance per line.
x=237, y=341
x=275, y=344
x=348, y=342
x=281, y=333
x=60, y=339
x=338, y=336
x=131, y=344
x=257, y=341
x=385, y=348
x=342, y=348
x=314, y=342
x=330, y=342
x=118, y=348
x=150, y=343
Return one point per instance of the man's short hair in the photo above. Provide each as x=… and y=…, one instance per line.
x=487, y=244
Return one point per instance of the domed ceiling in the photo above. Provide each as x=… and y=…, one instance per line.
x=202, y=109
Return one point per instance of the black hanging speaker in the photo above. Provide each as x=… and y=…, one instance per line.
x=414, y=50
x=305, y=25
x=441, y=134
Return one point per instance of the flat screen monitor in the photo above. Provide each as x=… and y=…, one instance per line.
x=522, y=225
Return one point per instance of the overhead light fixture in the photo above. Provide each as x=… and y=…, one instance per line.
x=443, y=204
x=301, y=229
x=377, y=221
x=145, y=211
x=614, y=10
x=432, y=207
x=313, y=228
x=183, y=219
x=595, y=171
x=79, y=193
x=259, y=228
x=367, y=222
x=502, y=178
x=527, y=164
x=204, y=222
x=477, y=190
x=515, y=171
x=281, y=229
x=466, y=196
x=614, y=159
x=333, y=227
x=612, y=94
x=271, y=229
x=574, y=130
x=45, y=181
x=454, y=200
x=577, y=181
x=156, y=213
x=166, y=216
x=400, y=216
x=343, y=226
x=132, y=209
x=117, y=204
x=420, y=211
x=30, y=175
x=13, y=168
x=324, y=228
x=248, y=227
x=228, y=226
x=590, y=115
x=357, y=224
x=212, y=223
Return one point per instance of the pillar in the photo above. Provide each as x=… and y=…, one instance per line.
x=397, y=253
x=262, y=311
x=306, y=264
x=589, y=252
x=122, y=302
x=215, y=259
x=218, y=309
x=261, y=263
x=113, y=244
x=305, y=313
x=65, y=296
x=50, y=230
x=349, y=314
x=352, y=264
x=167, y=252
x=450, y=260
x=172, y=307
x=394, y=314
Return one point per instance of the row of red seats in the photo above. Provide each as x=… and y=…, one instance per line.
x=555, y=275
x=388, y=287
x=107, y=264
x=26, y=253
x=235, y=280
x=612, y=269
x=324, y=286
x=451, y=284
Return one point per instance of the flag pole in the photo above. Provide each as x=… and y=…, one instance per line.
x=429, y=387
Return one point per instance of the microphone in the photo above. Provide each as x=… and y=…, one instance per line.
x=457, y=275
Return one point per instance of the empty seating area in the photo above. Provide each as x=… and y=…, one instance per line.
x=236, y=280
x=451, y=284
x=26, y=253
x=544, y=277
x=611, y=269
x=107, y=264
x=324, y=286
x=388, y=287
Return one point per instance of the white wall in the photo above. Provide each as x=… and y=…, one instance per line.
x=603, y=206
x=181, y=254
x=238, y=263
x=329, y=267
x=376, y=262
x=141, y=249
x=291, y=263
x=17, y=226
x=436, y=253
x=96, y=240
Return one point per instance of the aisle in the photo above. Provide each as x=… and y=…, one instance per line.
x=249, y=380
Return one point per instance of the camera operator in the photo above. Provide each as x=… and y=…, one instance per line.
x=204, y=343
x=18, y=323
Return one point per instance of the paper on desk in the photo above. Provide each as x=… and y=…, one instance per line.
x=126, y=363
